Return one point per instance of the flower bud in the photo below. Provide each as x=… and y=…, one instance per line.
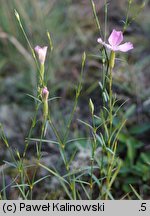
x=45, y=94
x=17, y=15
x=41, y=52
x=91, y=105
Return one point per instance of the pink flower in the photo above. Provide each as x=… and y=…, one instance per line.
x=41, y=51
x=115, y=39
x=45, y=93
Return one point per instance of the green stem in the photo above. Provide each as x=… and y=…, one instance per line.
x=31, y=129
x=110, y=103
x=61, y=144
x=25, y=35
x=127, y=16
x=111, y=66
x=41, y=81
x=71, y=117
x=62, y=152
x=93, y=153
x=40, y=145
x=106, y=16
x=78, y=91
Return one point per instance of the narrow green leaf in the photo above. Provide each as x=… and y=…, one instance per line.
x=50, y=41
x=80, y=170
x=43, y=140
x=88, y=125
x=20, y=185
x=53, y=173
x=101, y=141
x=23, y=194
x=135, y=192
x=41, y=179
x=53, y=98
x=86, y=192
x=115, y=174
x=36, y=99
x=83, y=182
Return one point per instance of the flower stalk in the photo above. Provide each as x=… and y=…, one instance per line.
x=41, y=52
x=114, y=44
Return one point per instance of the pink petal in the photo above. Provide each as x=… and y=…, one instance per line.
x=45, y=49
x=125, y=47
x=45, y=93
x=115, y=38
x=44, y=90
x=37, y=48
x=41, y=51
x=99, y=40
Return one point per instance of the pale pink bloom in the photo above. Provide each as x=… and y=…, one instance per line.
x=41, y=51
x=45, y=93
x=115, y=39
x=44, y=90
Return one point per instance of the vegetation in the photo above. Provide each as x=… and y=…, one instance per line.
x=74, y=117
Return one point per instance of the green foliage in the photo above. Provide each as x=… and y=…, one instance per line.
x=110, y=153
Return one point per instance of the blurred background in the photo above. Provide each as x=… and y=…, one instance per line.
x=73, y=31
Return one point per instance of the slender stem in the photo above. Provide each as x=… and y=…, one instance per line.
x=95, y=16
x=40, y=145
x=127, y=16
x=111, y=66
x=62, y=152
x=109, y=159
x=110, y=130
x=22, y=180
x=41, y=77
x=31, y=129
x=94, y=143
x=61, y=145
x=78, y=91
x=105, y=32
x=25, y=35
x=110, y=102
x=71, y=117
